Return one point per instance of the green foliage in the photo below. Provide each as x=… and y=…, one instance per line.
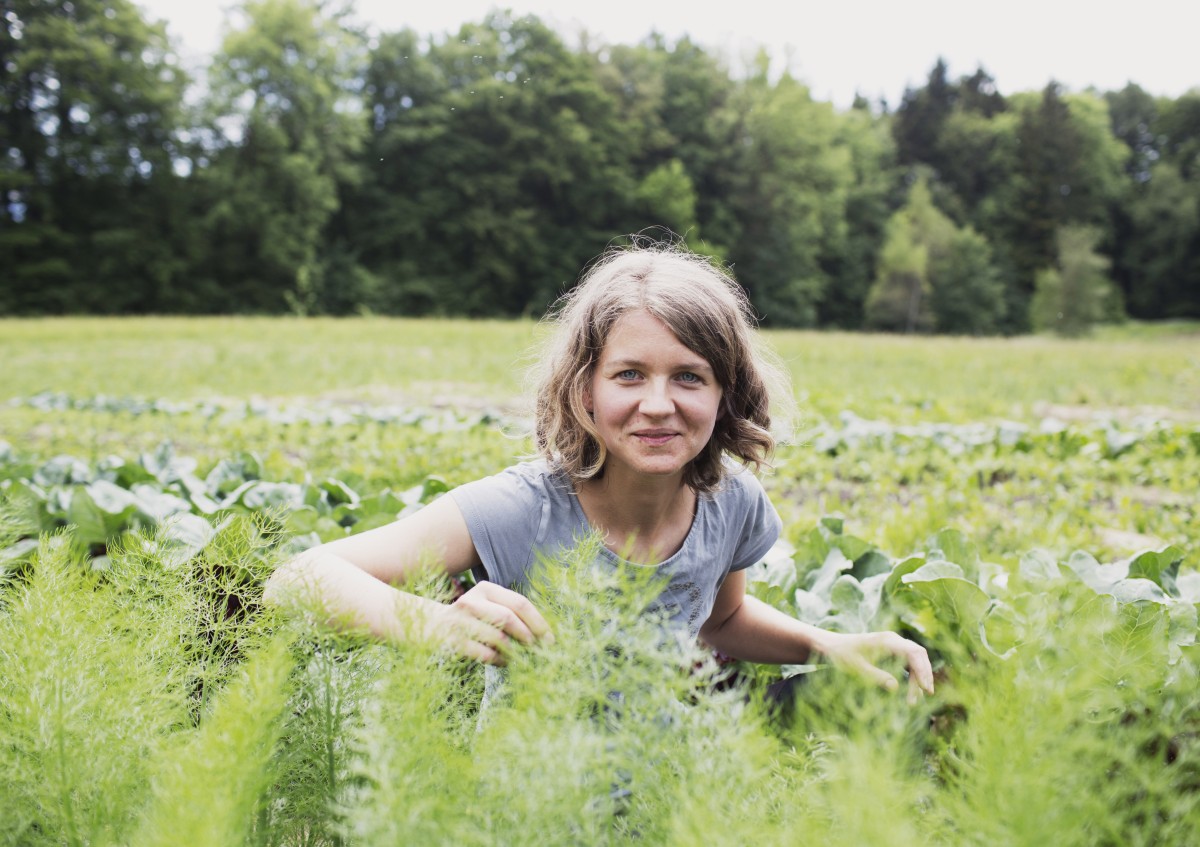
x=1011, y=444
x=932, y=274
x=160, y=493
x=1178, y=123
x=496, y=169
x=791, y=198
x=851, y=260
x=1076, y=294
x=282, y=95
x=1068, y=172
x=322, y=171
x=1067, y=682
x=90, y=98
x=1019, y=168
x=899, y=299
x=613, y=733
x=968, y=292
x=1133, y=113
x=118, y=658
x=609, y=735
x=1164, y=214
x=408, y=766
x=677, y=102
x=90, y=689
x=212, y=784
x=1055, y=718
x=668, y=197
x=964, y=132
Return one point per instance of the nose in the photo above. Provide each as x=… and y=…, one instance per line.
x=657, y=400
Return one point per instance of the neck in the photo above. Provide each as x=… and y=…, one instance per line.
x=644, y=518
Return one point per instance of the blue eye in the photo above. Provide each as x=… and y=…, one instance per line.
x=629, y=374
x=688, y=376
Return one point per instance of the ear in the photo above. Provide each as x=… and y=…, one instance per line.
x=587, y=399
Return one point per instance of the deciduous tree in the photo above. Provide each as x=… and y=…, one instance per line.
x=1075, y=293
x=89, y=102
x=285, y=107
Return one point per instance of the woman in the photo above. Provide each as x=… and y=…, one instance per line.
x=651, y=395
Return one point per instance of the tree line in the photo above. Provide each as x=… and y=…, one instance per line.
x=322, y=170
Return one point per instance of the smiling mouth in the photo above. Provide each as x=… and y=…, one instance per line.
x=654, y=437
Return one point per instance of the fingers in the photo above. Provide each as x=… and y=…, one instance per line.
x=920, y=671
x=877, y=675
x=483, y=622
x=527, y=612
x=481, y=653
x=507, y=611
x=472, y=638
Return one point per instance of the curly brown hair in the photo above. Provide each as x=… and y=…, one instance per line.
x=706, y=310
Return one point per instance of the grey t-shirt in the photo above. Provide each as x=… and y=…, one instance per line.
x=530, y=509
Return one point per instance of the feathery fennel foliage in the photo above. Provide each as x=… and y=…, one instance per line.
x=412, y=778
x=90, y=689
x=333, y=677
x=347, y=689
x=228, y=577
x=1070, y=740
x=593, y=739
x=152, y=697
x=210, y=787
x=104, y=669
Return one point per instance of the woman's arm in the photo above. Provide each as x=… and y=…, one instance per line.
x=744, y=627
x=348, y=582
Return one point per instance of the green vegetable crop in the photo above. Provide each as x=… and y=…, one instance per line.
x=1038, y=535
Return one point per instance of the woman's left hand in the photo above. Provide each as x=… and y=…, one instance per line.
x=858, y=651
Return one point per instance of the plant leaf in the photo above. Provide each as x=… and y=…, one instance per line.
x=1159, y=566
x=182, y=537
x=1100, y=578
x=953, y=546
x=1038, y=566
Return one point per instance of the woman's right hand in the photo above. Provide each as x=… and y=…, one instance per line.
x=351, y=582
x=483, y=622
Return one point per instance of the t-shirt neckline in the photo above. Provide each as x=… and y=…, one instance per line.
x=577, y=509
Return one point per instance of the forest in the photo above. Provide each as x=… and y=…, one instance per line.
x=317, y=168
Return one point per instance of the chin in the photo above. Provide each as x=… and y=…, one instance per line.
x=663, y=468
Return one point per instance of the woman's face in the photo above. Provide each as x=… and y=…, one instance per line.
x=654, y=401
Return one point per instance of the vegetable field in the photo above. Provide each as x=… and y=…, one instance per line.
x=1025, y=508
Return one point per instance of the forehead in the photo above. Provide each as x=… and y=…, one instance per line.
x=638, y=335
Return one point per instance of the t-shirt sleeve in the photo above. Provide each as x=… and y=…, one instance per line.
x=761, y=523
x=504, y=514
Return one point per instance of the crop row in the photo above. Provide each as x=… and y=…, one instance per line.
x=830, y=579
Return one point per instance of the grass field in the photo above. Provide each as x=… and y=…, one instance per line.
x=1009, y=500
x=1026, y=507
x=423, y=362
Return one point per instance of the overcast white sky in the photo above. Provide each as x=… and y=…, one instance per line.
x=876, y=47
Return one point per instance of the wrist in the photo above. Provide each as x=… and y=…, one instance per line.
x=822, y=642
x=416, y=620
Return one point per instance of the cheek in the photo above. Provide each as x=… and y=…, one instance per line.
x=715, y=405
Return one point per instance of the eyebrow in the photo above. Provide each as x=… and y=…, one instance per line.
x=697, y=365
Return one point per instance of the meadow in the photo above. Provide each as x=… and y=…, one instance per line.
x=1025, y=507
